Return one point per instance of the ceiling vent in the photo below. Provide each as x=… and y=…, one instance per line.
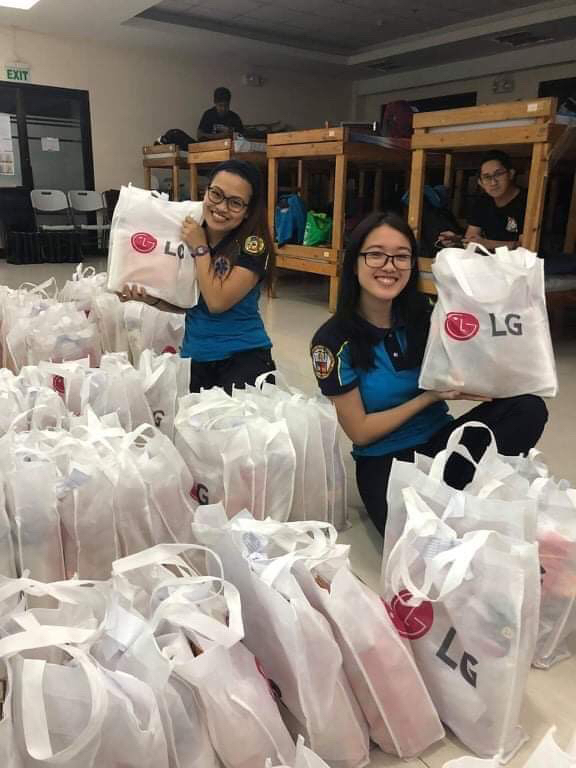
x=522, y=39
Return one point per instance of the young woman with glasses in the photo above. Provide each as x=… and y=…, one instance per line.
x=367, y=359
x=497, y=218
x=225, y=337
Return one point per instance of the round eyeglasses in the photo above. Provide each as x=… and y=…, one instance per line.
x=234, y=204
x=379, y=259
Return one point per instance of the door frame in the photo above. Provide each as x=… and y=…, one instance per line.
x=85, y=129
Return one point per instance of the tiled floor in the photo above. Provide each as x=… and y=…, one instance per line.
x=291, y=319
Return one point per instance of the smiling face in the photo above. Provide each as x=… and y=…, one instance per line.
x=386, y=281
x=230, y=190
x=495, y=179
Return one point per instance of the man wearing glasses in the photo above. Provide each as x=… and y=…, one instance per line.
x=497, y=217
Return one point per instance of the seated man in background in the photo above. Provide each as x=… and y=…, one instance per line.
x=219, y=122
x=497, y=218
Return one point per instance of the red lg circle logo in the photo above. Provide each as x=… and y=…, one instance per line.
x=169, y=350
x=461, y=325
x=411, y=621
x=143, y=242
x=58, y=385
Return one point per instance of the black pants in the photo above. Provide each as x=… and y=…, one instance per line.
x=517, y=423
x=236, y=371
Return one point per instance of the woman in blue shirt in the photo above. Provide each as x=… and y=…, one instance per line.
x=367, y=359
x=225, y=337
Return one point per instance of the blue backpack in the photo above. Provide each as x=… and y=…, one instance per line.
x=290, y=220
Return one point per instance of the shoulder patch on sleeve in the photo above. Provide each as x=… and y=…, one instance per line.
x=323, y=361
x=254, y=245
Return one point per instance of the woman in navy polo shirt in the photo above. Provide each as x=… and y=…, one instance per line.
x=367, y=360
x=225, y=337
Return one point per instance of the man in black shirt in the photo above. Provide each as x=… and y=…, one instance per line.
x=219, y=122
x=498, y=216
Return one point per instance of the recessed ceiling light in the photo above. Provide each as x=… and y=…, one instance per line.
x=22, y=5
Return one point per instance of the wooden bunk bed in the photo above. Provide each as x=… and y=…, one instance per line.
x=340, y=148
x=164, y=157
x=206, y=154
x=523, y=129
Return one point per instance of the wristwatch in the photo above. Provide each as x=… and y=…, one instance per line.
x=200, y=250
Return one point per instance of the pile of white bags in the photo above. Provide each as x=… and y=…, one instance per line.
x=82, y=321
x=49, y=394
x=144, y=669
x=489, y=333
x=331, y=671
x=76, y=500
x=146, y=248
x=267, y=448
x=483, y=583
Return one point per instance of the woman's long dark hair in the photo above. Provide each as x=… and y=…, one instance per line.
x=411, y=307
x=255, y=222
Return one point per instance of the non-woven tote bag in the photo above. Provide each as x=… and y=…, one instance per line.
x=557, y=546
x=477, y=507
x=77, y=714
x=146, y=248
x=378, y=663
x=293, y=641
x=489, y=331
x=470, y=609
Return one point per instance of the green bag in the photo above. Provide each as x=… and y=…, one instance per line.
x=318, y=229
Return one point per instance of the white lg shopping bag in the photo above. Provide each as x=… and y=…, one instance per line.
x=489, y=332
x=292, y=640
x=470, y=609
x=379, y=665
x=146, y=248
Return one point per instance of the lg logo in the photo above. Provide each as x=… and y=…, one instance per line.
x=462, y=326
x=143, y=242
x=200, y=493
x=467, y=661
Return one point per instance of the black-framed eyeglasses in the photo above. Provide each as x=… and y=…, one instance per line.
x=379, y=259
x=487, y=178
x=234, y=204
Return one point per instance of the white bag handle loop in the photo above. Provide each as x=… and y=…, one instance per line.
x=163, y=554
x=421, y=522
x=279, y=378
x=34, y=718
x=455, y=446
x=174, y=610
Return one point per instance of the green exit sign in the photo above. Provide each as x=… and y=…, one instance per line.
x=18, y=73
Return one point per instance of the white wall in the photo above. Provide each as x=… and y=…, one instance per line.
x=135, y=95
x=526, y=87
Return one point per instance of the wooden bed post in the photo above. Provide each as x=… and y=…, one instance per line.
x=338, y=223
x=570, y=241
x=448, y=170
x=272, y=195
x=536, y=194
x=416, y=191
x=193, y=182
x=147, y=177
x=175, y=182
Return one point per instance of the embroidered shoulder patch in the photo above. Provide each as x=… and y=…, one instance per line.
x=323, y=361
x=254, y=245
